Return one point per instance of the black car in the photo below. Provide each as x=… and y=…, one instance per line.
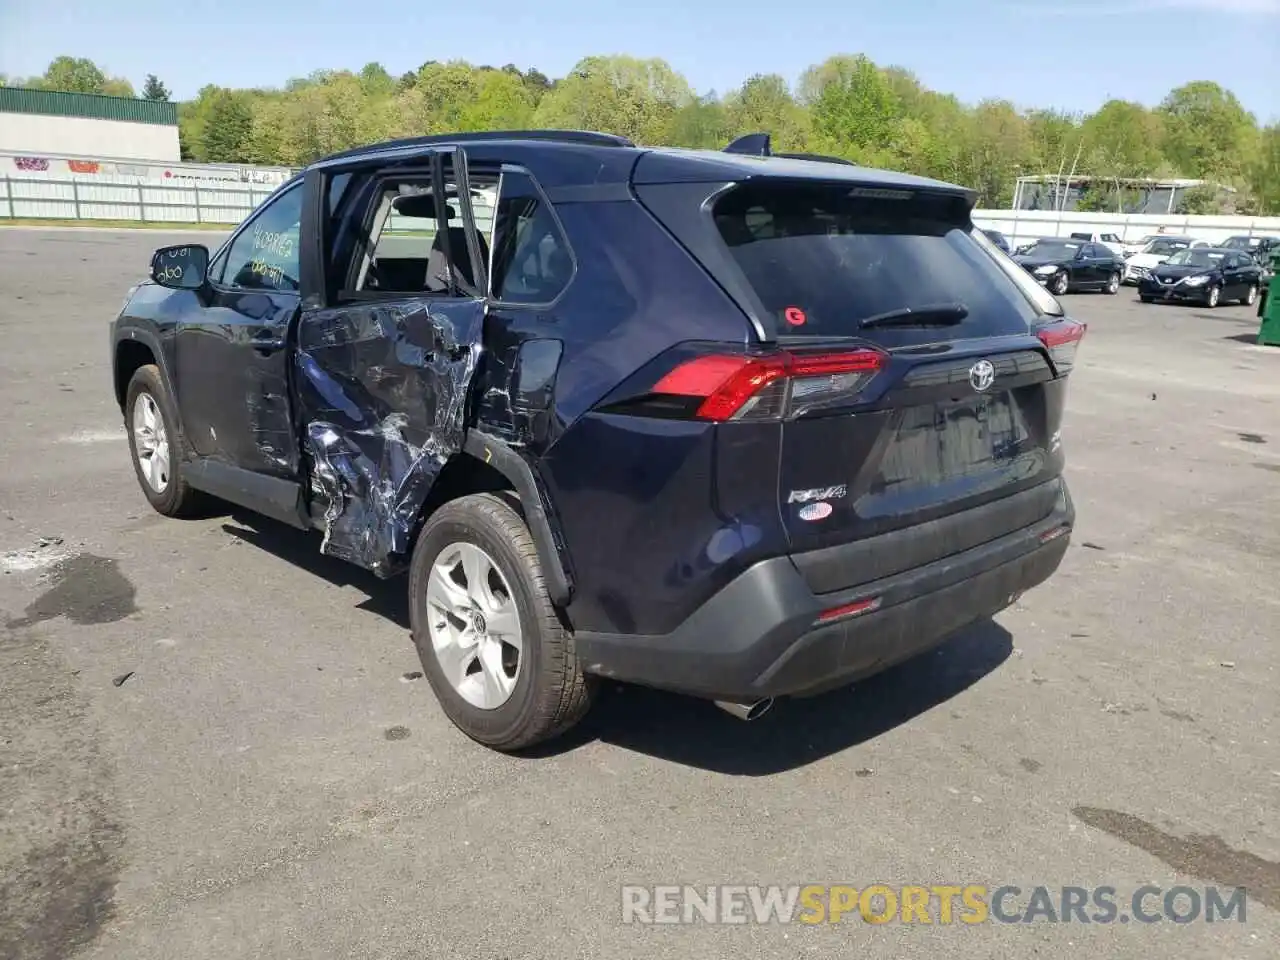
x=999, y=239
x=1262, y=249
x=1205, y=275
x=1066, y=265
x=738, y=426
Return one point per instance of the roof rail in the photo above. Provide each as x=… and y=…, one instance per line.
x=590, y=137
x=816, y=157
x=759, y=145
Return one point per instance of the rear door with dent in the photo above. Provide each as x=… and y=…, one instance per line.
x=386, y=355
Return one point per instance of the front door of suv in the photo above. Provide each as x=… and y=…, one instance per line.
x=232, y=362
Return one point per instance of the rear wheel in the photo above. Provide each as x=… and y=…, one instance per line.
x=1113, y=284
x=501, y=663
x=156, y=445
x=1250, y=296
x=1058, y=285
x=1212, y=296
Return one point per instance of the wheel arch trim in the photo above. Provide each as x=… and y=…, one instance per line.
x=511, y=464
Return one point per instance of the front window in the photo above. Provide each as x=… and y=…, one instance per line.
x=1205, y=259
x=265, y=255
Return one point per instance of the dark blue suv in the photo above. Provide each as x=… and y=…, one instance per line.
x=725, y=423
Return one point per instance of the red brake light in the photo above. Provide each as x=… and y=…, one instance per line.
x=763, y=387
x=1062, y=339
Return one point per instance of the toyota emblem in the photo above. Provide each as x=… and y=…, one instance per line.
x=981, y=375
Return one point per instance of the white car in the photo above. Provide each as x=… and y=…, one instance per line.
x=1157, y=250
x=1130, y=247
x=1109, y=240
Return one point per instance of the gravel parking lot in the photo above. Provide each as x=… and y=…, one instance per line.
x=213, y=743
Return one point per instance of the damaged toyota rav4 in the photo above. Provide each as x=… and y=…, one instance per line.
x=731, y=424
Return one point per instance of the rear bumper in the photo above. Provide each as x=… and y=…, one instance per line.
x=760, y=636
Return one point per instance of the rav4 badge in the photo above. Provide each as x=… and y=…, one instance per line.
x=817, y=493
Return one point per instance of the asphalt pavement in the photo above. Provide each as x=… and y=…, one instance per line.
x=215, y=742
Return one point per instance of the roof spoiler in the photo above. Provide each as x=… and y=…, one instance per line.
x=759, y=145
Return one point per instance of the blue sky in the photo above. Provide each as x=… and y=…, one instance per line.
x=1072, y=55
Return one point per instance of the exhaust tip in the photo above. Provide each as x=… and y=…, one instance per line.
x=746, y=711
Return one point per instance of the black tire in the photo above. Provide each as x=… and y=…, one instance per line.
x=177, y=499
x=1145, y=299
x=1212, y=296
x=551, y=692
x=1113, y=285
x=1059, y=284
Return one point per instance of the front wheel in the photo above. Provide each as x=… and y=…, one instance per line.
x=499, y=660
x=1113, y=284
x=156, y=445
x=1211, y=298
x=1250, y=296
x=1145, y=299
x=1058, y=285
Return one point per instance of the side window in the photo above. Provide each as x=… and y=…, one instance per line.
x=416, y=243
x=1110, y=238
x=532, y=262
x=265, y=255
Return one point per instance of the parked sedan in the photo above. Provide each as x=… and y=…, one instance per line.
x=1262, y=249
x=1205, y=275
x=1064, y=265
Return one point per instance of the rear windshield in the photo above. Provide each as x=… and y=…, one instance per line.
x=823, y=258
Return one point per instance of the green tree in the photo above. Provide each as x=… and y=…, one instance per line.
x=1209, y=135
x=624, y=95
x=702, y=123
x=854, y=107
x=1264, y=175
x=1122, y=140
x=764, y=105
x=227, y=128
x=73, y=75
x=501, y=101
x=153, y=89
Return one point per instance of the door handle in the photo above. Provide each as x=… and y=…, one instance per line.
x=267, y=344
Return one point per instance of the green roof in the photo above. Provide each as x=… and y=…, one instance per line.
x=54, y=104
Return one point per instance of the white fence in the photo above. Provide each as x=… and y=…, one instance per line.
x=90, y=197
x=94, y=197
x=1023, y=226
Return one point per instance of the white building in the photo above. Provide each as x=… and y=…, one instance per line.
x=43, y=125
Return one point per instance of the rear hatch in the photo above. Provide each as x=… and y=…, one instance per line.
x=922, y=385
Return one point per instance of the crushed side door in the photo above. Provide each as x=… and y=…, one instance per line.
x=383, y=375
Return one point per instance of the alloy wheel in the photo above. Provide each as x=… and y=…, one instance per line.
x=151, y=442
x=1213, y=296
x=474, y=625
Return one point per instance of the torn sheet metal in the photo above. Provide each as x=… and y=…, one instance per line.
x=383, y=394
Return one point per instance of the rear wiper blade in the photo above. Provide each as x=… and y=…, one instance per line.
x=926, y=315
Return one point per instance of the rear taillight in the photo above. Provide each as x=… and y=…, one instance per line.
x=770, y=386
x=1062, y=338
